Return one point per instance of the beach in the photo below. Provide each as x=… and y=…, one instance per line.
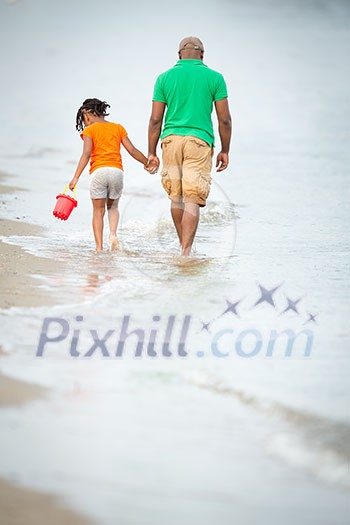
x=18, y=288
x=19, y=506
x=18, y=268
x=138, y=386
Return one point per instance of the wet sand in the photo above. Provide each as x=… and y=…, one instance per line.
x=18, y=287
x=22, y=506
x=19, y=506
x=14, y=392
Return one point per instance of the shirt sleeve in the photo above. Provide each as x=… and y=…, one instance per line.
x=122, y=131
x=86, y=132
x=158, y=92
x=221, y=89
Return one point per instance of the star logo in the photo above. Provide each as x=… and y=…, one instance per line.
x=205, y=327
x=292, y=305
x=231, y=307
x=266, y=296
x=311, y=318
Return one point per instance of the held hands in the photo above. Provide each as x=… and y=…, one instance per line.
x=152, y=165
x=221, y=161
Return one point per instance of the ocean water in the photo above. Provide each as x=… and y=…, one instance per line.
x=185, y=390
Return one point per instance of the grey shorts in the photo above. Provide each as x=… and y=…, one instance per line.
x=106, y=183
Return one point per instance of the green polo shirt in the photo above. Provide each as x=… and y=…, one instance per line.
x=189, y=89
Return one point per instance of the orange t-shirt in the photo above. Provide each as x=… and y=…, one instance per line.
x=106, y=138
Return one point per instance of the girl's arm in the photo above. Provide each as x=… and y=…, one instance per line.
x=84, y=159
x=137, y=155
x=134, y=152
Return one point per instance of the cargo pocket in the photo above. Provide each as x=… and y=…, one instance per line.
x=204, y=183
x=200, y=151
x=165, y=143
x=200, y=143
x=166, y=181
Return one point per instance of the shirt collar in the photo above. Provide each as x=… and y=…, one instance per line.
x=190, y=62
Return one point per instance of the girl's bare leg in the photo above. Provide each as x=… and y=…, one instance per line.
x=99, y=207
x=113, y=219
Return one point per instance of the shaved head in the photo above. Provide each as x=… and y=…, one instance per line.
x=191, y=42
x=191, y=47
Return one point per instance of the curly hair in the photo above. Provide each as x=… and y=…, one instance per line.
x=90, y=105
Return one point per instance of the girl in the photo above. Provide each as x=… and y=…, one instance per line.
x=102, y=141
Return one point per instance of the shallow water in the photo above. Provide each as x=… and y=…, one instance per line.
x=224, y=426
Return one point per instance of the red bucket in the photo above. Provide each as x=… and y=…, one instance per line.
x=64, y=205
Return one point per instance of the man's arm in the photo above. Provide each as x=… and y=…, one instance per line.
x=154, y=128
x=225, y=128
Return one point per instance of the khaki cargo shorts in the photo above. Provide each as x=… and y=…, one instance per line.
x=187, y=163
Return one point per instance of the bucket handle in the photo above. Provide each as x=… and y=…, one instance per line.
x=74, y=190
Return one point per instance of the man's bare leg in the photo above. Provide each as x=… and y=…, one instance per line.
x=189, y=225
x=99, y=206
x=177, y=211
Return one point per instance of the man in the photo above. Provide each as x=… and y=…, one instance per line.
x=188, y=90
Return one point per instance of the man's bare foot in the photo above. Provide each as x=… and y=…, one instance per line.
x=189, y=251
x=186, y=252
x=113, y=244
